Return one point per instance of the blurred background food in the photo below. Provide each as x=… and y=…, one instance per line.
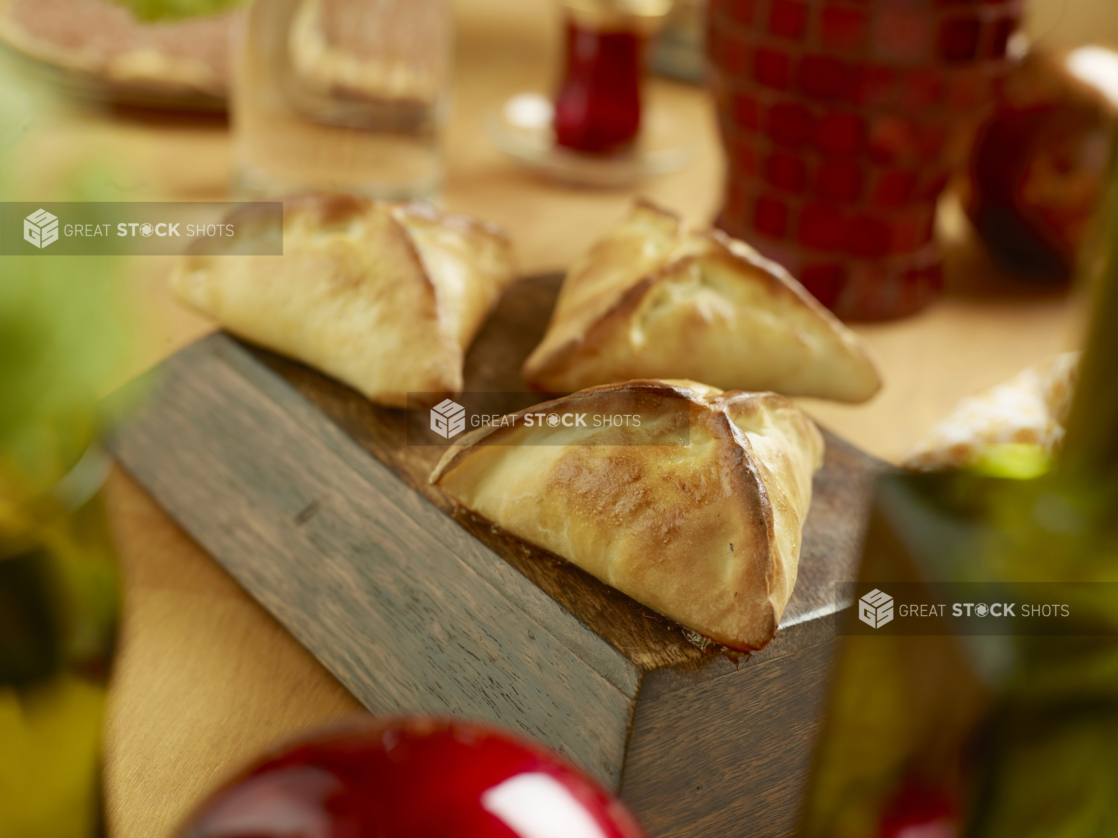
x=1030, y=409
x=101, y=49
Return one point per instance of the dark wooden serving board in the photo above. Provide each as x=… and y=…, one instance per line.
x=308, y=495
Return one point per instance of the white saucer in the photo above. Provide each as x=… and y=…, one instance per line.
x=521, y=128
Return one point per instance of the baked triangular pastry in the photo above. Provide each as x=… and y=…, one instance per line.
x=1029, y=409
x=707, y=532
x=384, y=297
x=653, y=301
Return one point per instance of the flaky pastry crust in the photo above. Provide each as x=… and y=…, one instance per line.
x=707, y=533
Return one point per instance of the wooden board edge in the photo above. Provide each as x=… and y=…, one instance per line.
x=511, y=669
x=755, y=740
x=524, y=595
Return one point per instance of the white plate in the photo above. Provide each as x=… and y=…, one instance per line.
x=521, y=128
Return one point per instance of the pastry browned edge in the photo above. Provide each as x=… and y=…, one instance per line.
x=384, y=297
x=652, y=300
x=706, y=532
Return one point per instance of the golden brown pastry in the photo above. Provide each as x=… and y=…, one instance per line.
x=384, y=297
x=1029, y=409
x=707, y=532
x=653, y=301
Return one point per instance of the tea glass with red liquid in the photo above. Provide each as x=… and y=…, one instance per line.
x=598, y=105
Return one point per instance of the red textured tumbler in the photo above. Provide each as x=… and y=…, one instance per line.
x=843, y=121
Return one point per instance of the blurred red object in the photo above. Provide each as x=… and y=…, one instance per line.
x=843, y=121
x=413, y=778
x=918, y=811
x=1038, y=169
x=598, y=107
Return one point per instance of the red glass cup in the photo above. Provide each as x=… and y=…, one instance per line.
x=598, y=109
x=598, y=106
x=843, y=121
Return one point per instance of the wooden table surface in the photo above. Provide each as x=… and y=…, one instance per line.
x=206, y=678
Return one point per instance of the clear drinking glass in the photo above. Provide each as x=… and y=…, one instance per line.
x=341, y=95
